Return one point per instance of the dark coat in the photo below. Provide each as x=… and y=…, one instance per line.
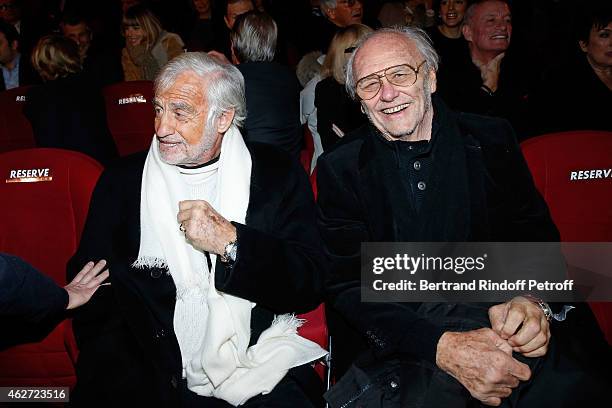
x=335, y=107
x=479, y=189
x=31, y=304
x=459, y=84
x=128, y=349
x=273, y=110
x=576, y=81
x=69, y=113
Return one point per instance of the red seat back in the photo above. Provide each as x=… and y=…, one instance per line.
x=307, y=150
x=45, y=198
x=130, y=115
x=573, y=171
x=315, y=328
x=15, y=129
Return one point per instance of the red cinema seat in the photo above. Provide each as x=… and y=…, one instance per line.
x=15, y=129
x=130, y=115
x=307, y=150
x=45, y=198
x=315, y=327
x=573, y=171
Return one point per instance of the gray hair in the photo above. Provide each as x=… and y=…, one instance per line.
x=224, y=83
x=420, y=38
x=330, y=4
x=471, y=10
x=254, y=37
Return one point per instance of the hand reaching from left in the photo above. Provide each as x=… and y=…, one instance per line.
x=85, y=284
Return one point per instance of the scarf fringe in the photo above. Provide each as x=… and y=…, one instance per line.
x=287, y=323
x=150, y=262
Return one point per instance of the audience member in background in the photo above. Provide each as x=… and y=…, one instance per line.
x=147, y=45
x=201, y=37
x=446, y=36
x=272, y=90
x=417, y=13
x=490, y=79
x=102, y=66
x=337, y=112
x=16, y=70
x=309, y=74
x=32, y=304
x=67, y=110
x=337, y=14
x=30, y=22
x=231, y=10
x=235, y=8
x=578, y=95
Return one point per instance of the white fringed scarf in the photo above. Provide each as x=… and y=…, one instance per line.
x=213, y=328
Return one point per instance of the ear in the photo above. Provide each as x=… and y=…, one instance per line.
x=227, y=24
x=329, y=12
x=225, y=120
x=433, y=82
x=235, y=59
x=583, y=45
x=15, y=45
x=467, y=32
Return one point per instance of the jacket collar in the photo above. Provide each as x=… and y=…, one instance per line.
x=445, y=213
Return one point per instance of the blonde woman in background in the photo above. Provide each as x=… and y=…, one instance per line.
x=147, y=46
x=337, y=113
x=67, y=110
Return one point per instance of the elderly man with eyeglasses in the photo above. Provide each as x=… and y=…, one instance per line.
x=419, y=172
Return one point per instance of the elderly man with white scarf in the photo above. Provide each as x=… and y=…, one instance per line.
x=212, y=247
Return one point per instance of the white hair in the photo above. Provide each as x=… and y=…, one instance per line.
x=224, y=84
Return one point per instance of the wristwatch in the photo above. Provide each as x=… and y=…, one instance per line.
x=230, y=252
x=548, y=313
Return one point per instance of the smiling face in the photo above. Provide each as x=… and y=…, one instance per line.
x=398, y=112
x=490, y=28
x=181, y=129
x=599, y=47
x=134, y=34
x=452, y=12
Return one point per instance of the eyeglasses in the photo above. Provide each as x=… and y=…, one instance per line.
x=349, y=3
x=400, y=75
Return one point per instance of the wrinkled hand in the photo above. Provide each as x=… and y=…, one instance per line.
x=489, y=73
x=205, y=228
x=534, y=334
x=85, y=284
x=482, y=362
